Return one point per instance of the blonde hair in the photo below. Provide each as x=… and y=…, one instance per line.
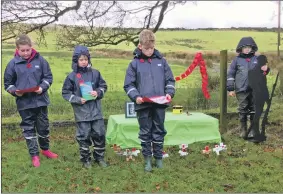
x=23, y=39
x=146, y=37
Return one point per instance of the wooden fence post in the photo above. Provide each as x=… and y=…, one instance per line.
x=223, y=90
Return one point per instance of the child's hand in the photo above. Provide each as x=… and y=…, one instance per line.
x=83, y=100
x=264, y=68
x=232, y=94
x=18, y=94
x=93, y=93
x=39, y=91
x=168, y=96
x=139, y=100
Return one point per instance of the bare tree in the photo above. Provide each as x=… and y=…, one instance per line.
x=28, y=16
x=111, y=23
x=94, y=22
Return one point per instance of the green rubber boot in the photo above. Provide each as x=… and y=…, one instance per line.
x=159, y=163
x=148, y=167
x=102, y=163
x=87, y=165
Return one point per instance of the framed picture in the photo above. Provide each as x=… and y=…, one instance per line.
x=130, y=110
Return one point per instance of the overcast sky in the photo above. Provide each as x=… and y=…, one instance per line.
x=224, y=14
x=218, y=14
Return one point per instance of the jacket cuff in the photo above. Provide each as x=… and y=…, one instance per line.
x=44, y=85
x=171, y=94
x=230, y=89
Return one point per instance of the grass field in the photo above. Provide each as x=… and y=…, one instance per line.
x=113, y=68
x=245, y=167
x=174, y=41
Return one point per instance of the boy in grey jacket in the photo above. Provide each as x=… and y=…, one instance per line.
x=88, y=113
x=238, y=85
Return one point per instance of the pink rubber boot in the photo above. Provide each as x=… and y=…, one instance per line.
x=35, y=161
x=49, y=154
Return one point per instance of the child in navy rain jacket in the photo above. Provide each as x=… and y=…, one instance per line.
x=238, y=85
x=88, y=113
x=28, y=70
x=149, y=75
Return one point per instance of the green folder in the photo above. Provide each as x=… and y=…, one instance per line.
x=86, y=89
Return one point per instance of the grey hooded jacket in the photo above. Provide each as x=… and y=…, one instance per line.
x=237, y=78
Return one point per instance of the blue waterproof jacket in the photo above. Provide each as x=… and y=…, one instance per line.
x=24, y=74
x=148, y=77
x=71, y=91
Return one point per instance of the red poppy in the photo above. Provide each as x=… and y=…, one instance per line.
x=248, y=60
x=141, y=60
x=28, y=65
x=79, y=75
x=195, y=62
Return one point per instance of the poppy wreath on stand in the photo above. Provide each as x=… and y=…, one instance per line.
x=198, y=60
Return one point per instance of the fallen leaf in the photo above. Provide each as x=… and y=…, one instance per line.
x=157, y=186
x=246, y=163
x=166, y=185
x=229, y=186
x=268, y=149
x=97, y=189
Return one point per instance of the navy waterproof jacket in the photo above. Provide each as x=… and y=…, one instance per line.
x=24, y=74
x=71, y=92
x=237, y=78
x=148, y=77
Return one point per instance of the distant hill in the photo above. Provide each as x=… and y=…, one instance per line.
x=255, y=29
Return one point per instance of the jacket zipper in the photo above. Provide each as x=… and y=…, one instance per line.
x=150, y=66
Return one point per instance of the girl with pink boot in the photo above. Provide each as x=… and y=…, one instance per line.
x=27, y=77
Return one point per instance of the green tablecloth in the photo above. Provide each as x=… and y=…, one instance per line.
x=181, y=129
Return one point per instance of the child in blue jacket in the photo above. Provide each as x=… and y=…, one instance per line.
x=28, y=69
x=88, y=113
x=149, y=75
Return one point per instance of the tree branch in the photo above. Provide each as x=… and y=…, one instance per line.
x=11, y=7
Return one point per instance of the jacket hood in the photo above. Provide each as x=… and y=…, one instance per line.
x=138, y=54
x=246, y=41
x=79, y=51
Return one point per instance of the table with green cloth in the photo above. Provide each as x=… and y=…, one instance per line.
x=181, y=129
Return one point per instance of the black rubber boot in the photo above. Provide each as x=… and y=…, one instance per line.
x=258, y=137
x=243, y=129
x=252, y=132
